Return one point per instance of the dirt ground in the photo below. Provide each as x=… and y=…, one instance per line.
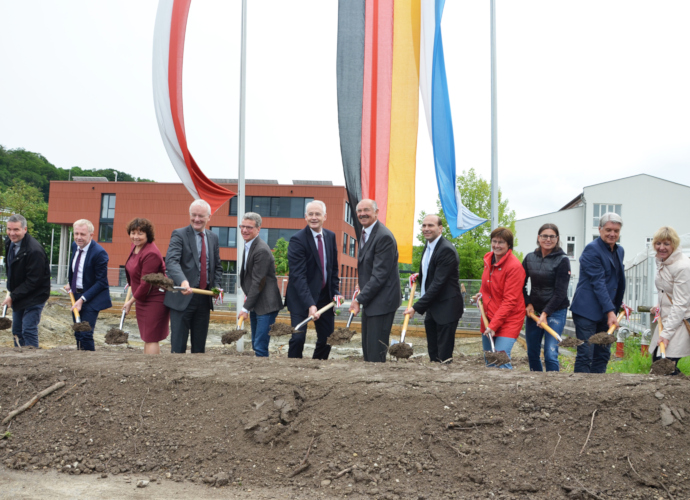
x=232, y=425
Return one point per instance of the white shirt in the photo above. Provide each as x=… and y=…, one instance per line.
x=247, y=247
x=323, y=241
x=430, y=250
x=367, y=231
x=80, y=271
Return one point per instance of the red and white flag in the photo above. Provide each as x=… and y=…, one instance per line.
x=168, y=50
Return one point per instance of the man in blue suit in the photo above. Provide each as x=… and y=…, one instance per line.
x=599, y=293
x=88, y=280
x=313, y=261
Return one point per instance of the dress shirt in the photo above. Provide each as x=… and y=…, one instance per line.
x=80, y=271
x=427, y=258
x=368, y=231
x=323, y=242
x=198, y=250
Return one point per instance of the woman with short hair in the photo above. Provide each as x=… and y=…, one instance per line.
x=673, y=285
x=548, y=270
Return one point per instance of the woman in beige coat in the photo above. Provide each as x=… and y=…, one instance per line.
x=673, y=285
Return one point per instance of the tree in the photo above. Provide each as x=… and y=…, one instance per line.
x=474, y=244
x=280, y=255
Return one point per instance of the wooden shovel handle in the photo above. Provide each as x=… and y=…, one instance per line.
x=409, y=304
x=662, y=349
x=613, y=327
x=325, y=308
x=545, y=327
x=239, y=324
x=202, y=292
x=481, y=310
x=129, y=294
x=76, y=313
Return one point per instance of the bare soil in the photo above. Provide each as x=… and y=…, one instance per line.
x=400, y=350
x=159, y=280
x=232, y=336
x=280, y=329
x=498, y=358
x=340, y=336
x=570, y=342
x=602, y=338
x=5, y=323
x=663, y=367
x=116, y=336
x=82, y=326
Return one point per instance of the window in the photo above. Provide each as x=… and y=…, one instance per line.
x=345, y=240
x=348, y=214
x=266, y=206
x=105, y=230
x=353, y=245
x=233, y=206
x=570, y=246
x=227, y=236
x=602, y=208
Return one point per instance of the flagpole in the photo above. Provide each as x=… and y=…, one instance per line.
x=240, y=176
x=494, y=123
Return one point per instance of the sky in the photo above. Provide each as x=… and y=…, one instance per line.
x=588, y=91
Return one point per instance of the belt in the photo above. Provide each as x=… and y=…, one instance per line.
x=79, y=290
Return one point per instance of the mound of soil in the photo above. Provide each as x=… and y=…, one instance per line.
x=570, y=342
x=602, y=338
x=305, y=428
x=498, y=358
x=340, y=336
x=400, y=350
x=232, y=336
x=116, y=336
x=280, y=329
x=663, y=367
x=5, y=323
x=159, y=280
x=83, y=326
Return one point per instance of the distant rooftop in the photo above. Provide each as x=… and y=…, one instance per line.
x=313, y=183
x=246, y=181
x=89, y=179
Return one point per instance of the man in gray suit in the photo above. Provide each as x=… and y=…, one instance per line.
x=258, y=281
x=379, y=282
x=193, y=261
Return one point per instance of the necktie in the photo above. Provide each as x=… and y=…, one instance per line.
x=75, y=273
x=364, y=238
x=321, y=257
x=203, y=280
x=425, y=268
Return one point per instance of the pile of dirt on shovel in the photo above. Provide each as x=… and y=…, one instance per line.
x=232, y=336
x=159, y=280
x=602, y=338
x=400, y=350
x=116, y=336
x=340, y=336
x=373, y=430
x=278, y=329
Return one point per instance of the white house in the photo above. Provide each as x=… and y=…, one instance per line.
x=643, y=201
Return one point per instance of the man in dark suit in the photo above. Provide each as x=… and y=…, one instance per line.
x=88, y=280
x=28, y=281
x=259, y=283
x=439, y=284
x=313, y=260
x=379, y=282
x=599, y=293
x=193, y=261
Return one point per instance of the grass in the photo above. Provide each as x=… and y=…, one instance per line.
x=634, y=361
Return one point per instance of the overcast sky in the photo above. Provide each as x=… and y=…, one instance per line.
x=588, y=91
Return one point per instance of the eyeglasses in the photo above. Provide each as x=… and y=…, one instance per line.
x=246, y=227
x=548, y=236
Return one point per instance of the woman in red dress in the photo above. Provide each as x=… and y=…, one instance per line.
x=153, y=317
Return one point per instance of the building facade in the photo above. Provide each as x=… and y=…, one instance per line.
x=645, y=203
x=111, y=205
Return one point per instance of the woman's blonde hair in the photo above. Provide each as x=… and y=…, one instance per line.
x=667, y=233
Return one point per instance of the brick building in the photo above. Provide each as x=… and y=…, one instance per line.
x=111, y=205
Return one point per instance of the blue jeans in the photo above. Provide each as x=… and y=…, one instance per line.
x=534, y=336
x=261, y=323
x=502, y=344
x=591, y=358
x=25, y=325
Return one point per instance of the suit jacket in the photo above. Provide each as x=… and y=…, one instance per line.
x=377, y=268
x=258, y=280
x=29, y=277
x=442, y=297
x=182, y=262
x=306, y=275
x=600, y=288
x=95, y=277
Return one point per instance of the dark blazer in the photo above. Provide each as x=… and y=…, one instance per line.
x=29, y=282
x=442, y=297
x=600, y=289
x=182, y=262
x=306, y=276
x=258, y=280
x=377, y=268
x=95, y=278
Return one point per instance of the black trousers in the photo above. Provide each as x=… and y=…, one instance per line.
x=324, y=327
x=192, y=320
x=376, y=333
x=440, y=339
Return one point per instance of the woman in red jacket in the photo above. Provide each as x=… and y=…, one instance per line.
x=501, y=290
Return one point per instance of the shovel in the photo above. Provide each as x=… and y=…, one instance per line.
x=5, y=323
x=499, y=358
x=200, y=291
x=605, y=338
x=569, y=342
x=118, y=335
x=320, y=311
x=401, y=349
x=79, y=325
x=663, y=366
x=234, y=335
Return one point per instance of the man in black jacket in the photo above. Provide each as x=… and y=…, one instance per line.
x=439, y=284
x=28, y=281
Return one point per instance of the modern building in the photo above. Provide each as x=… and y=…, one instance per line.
x=643, y=201
x=111, y=205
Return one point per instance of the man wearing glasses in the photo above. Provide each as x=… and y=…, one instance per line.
x=258, y=281
x=193, y=261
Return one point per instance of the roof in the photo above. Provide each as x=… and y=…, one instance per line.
x=89, y=179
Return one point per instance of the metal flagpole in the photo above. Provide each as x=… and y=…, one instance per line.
x=240, y=177
x=494, y=123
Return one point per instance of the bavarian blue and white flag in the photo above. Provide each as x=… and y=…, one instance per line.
x=434, y=89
